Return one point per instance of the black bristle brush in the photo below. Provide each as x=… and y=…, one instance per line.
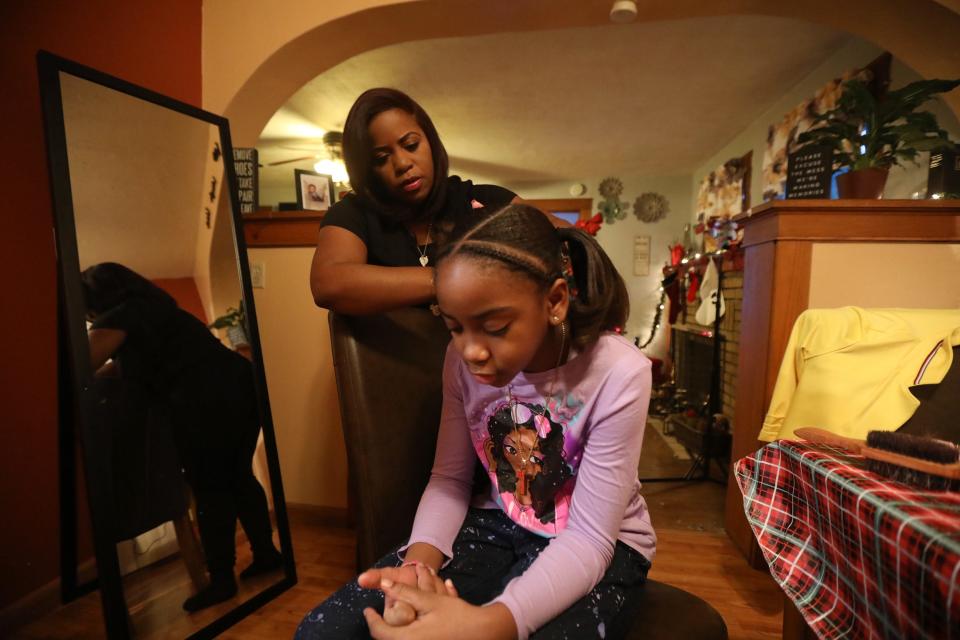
x=920, y=462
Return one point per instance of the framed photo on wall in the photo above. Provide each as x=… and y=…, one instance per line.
x=314, y=190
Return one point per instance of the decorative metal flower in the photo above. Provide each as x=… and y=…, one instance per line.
x=610, y=188
x=651, y=207
x=611, y=207
x=612, y=210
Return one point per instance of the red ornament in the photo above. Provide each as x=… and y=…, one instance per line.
x=590, y=225
x=676, y=254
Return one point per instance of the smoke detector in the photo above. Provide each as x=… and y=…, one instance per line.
x=623, y=11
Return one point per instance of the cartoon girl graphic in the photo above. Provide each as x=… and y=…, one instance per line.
x=525, y=456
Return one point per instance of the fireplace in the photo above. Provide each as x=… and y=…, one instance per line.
x=692, y=343
x=693, y=362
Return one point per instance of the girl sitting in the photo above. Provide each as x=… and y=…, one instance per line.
x=553, y=403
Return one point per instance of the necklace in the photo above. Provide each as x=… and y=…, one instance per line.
x=524, y=459
x=424, y=258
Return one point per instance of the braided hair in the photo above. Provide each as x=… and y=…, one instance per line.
x=521, y=239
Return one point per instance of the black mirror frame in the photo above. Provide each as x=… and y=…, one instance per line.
x=75, y=377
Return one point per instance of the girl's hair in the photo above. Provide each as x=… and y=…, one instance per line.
x=358, y=149
x=108, y=284
x=520, y=238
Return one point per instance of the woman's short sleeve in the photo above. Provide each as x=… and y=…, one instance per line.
x=347, y=215
x=492, y=197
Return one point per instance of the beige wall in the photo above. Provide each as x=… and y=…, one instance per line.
x=300, y=380
x=224, y=270
x=915, y=276
x=205, y=235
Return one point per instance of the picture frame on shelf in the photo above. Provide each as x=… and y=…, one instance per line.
x=314, y=190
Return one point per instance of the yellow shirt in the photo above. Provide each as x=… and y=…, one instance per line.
x=850, y=370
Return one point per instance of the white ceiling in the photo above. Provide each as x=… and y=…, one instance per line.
x=641, y=99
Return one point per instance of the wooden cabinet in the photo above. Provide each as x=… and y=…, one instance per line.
x=801, y=254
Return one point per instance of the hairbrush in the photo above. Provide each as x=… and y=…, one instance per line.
x=921, y=462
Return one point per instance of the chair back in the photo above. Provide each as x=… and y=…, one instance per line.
x=388, y=370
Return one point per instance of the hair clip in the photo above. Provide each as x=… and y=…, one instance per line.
x=566, y=270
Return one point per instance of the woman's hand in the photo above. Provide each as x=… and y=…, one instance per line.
x=440, y=616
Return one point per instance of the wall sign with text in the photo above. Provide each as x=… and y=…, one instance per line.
x=245, y=162
x=809, y=172
x=641, y=255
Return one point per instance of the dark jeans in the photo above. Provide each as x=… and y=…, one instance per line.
x=489, y=551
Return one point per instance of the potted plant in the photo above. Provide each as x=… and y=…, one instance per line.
x=235, y=322
x=868, y=135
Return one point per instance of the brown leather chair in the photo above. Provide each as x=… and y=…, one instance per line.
x=388, y=370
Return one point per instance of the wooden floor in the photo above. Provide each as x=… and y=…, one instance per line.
x=705, y=564
x=693, y=554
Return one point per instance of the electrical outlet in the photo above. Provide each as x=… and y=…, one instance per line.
x=258, y=275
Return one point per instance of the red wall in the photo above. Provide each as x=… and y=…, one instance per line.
x=154, y=44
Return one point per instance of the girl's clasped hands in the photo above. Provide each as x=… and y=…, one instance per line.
x=420, y=604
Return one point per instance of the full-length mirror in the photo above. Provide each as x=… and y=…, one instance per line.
x=174, y=422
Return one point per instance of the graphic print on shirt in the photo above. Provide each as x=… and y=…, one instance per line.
x=525, y=459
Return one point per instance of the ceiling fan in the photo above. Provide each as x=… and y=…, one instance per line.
x=332, y=142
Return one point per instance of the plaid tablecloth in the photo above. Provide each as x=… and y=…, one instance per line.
x=861, y=556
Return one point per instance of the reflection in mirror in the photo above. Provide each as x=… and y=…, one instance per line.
x=174, y=407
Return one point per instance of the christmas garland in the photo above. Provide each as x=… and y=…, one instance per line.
x=656, y=321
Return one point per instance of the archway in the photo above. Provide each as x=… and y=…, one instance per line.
x=910, y=29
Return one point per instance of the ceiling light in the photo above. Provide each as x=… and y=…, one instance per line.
x=623, y=11
x=334, y=168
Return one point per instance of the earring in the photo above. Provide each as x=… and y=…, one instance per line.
x=555, y=319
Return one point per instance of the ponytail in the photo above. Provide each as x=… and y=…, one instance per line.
x=601, y=302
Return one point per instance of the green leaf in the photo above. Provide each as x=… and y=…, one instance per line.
x=896, y=104
x=858, y=100
x=931, y=144
x=922, y=119
x=894, y=130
